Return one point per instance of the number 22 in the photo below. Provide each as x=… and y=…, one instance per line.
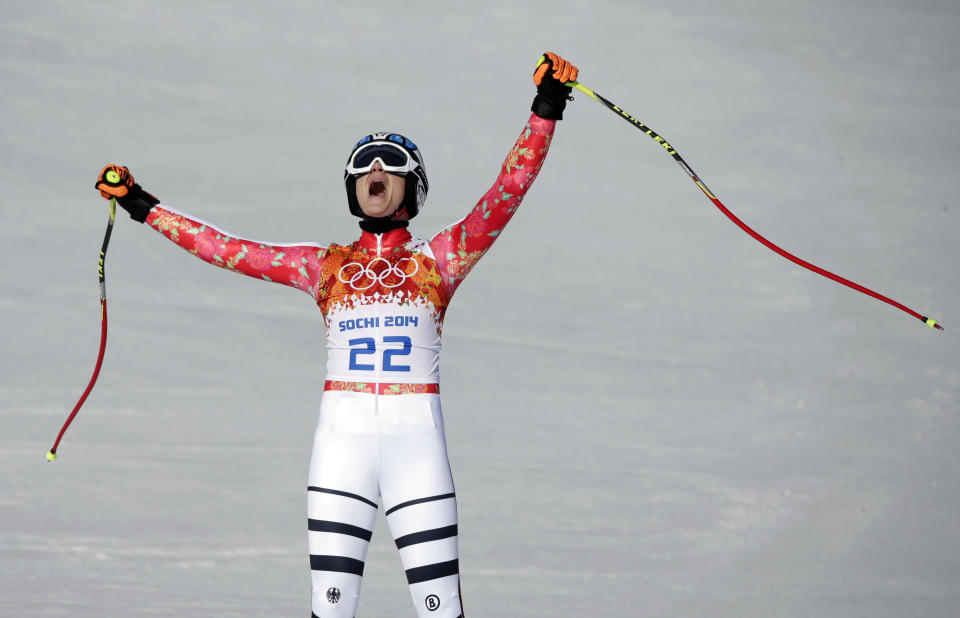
x=363, y=346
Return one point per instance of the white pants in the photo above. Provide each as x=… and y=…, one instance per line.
x=392, y=447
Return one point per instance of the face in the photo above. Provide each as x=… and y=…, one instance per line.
x=380, y=193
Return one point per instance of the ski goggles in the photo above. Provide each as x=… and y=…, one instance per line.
x=393, y=158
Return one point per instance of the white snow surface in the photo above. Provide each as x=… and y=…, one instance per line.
x=648, y=413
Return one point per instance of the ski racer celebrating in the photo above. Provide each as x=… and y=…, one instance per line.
x=383, y=297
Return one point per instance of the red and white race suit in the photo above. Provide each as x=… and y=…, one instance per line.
x=380, y=429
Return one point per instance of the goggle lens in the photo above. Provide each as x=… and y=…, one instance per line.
x=392, y=158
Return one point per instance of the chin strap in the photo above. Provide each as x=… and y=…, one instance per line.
x=382, y=225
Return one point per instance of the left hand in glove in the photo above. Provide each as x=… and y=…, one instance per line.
x=551, y=77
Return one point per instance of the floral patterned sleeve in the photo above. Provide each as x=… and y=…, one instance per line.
x=296, y=265
x=460, y=246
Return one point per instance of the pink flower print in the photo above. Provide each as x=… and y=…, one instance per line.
x=293, y=255
x=514, y=181
x=542, y=125
x=259, y=258
x=206, y=245
x=475, y=224
x=301, y=282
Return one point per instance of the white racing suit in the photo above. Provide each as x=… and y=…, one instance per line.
x=380, y=432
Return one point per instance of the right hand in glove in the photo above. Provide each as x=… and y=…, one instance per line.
x=115, y=181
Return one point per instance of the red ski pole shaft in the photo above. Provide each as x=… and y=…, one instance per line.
x=746, y=228
x=52, y=453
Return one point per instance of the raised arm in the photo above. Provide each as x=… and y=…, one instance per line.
x=457, y=248
x=297, y=265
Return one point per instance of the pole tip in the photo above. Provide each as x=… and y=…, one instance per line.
x=51, y=456
x=932, y=323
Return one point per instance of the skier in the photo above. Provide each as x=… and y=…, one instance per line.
x=383, y=297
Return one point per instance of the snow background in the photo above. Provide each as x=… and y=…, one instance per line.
x=648, y=413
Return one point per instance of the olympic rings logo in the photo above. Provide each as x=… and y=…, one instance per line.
x=364, y=276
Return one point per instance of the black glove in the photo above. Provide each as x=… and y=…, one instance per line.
x=115, y=181
x=551, y=78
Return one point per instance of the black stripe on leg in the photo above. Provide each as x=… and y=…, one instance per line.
x=345, y=494
x=426, y=536
x=337, y=564
x=419, y=501
x=430, y=572
x=320, y=525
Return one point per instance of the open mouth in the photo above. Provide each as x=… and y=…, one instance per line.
x=378, y=188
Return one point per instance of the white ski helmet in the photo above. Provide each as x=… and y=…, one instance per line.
x=397, y=155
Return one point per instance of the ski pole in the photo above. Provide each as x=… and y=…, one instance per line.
x=746, y=228
x=112, y=176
